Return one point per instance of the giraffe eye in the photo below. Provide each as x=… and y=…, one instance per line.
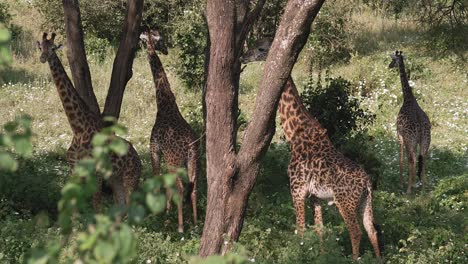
x=261, y=49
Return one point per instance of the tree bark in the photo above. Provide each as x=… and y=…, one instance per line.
x=123, y=62
x=230, y=175
x=77, y=56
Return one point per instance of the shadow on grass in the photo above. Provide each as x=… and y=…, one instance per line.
x=35, y=186
x=16, y=75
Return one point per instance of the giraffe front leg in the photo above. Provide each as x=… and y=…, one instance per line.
x=318, y=220
x=155, y=152
x=180, y=205
x=299, y=207
x=97, y=196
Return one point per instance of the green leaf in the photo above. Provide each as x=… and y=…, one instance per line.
x=136, y=213
x=127, y=248
x=23, y=146
x=156, y=203
x=99, y=139
x=7, y=162
x=119, y=130
x=104, y=252
x=119, y=147
x=169, y=179
x=88, y=241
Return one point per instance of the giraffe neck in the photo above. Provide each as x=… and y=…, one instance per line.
x=295, y=119
x=407, y=91
x=165, y=99
x=75, y=108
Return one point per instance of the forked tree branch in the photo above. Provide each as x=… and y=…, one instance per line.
x=77, y=56
x=123, y=62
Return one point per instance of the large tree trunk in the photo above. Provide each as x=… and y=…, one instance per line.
x=230, y=175
x=77, y=56
x=122, y=68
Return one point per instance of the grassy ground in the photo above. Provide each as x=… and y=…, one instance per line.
x=422, y=228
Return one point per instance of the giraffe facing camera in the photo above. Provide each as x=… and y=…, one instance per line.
x=85, y=124
x=48, y=47
x=154, y=41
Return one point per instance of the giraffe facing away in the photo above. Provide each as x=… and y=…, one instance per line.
x=84, y=124
x=413, y=128
x=171, y=137
x=317, y=170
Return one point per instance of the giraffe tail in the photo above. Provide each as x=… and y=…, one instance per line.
x=188, y=198
x=380, y=239
x=420, y=165
x=369, y=219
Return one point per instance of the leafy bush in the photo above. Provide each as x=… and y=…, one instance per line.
x=5, y=16
x=190, y=38
x=335, y=107
x=329, y=41
x=96, y=47
x=103, y=19
x=17, y=136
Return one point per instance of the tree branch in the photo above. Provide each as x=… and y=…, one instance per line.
x=247, y=24
x=77, y=56
x=123, y=62
x=290, y=38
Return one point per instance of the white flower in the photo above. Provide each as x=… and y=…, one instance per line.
x=411, y=83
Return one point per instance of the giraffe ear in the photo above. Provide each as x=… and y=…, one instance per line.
x=59, y=47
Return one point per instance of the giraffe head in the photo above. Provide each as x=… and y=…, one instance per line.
x=258, y=52
x=47, y=47
x=397, y=59
x=154, y=40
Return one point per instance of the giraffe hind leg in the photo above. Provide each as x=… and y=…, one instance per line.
x=402, y=156
x=349, y=215
x=372, y=229
x=192, y=170
x=411, y=166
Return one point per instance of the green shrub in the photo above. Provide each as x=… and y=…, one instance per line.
x=452, y=192
x=335, y=107
x=329, y=41
x=96, y=47
x=190, y=39
x=5, y=16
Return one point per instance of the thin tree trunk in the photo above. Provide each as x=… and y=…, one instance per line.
x=123, y=62
x=231, y=176
x=77, y=56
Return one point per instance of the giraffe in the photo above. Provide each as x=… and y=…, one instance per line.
x=84, y=124
x=317, y=170
x=171, y=136
x=413, y=128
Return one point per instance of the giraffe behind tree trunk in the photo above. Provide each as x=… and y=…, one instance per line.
x=171, y=137
x=126, y=170
x=317, y=170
